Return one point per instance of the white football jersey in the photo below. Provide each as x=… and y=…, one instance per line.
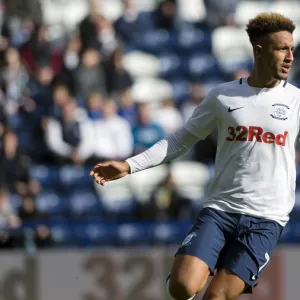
x=255, y=163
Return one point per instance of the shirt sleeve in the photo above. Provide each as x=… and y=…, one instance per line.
x=163, y=151
x=204, y=118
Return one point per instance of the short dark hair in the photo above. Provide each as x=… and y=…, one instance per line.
x=266, y=23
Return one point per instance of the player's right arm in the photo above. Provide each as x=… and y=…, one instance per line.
x=200, y=125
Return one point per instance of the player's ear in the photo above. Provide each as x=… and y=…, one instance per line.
x=257, y=51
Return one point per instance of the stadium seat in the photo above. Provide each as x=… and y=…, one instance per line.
x=193, y=12
x=191, y=178
x=95, y=233
x=156, y=41
x=71, y=13
x=117, y=198
x=145, y=5
x=170, y=233
x=62, y=233
x=170, y=65
x=181, y=89
x=16, y=201
x=143, y=183
x=84, y=203
x=142, y=90
x=47, y=176
x=289, y=9
x=141, y=64
x=111, y=9
x=51, y=203
x=191, y=40
x=231, y=56
x=246, y=10
x=72, y=176
x=202, y=66
x=133, y=234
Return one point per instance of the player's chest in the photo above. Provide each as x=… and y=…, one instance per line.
x=270, y=113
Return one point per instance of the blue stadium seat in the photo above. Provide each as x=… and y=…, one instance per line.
x=156, y=41
x=84, y=202
x=291, y=232
x=181, y=89
x=129, y=234
x=16, y=201
x=191, y=40
x=46, y=175
x=72, y=176
x=62, y=233
x=170, y=233
x=48, y=201
x=202, y=66
x=95, y=233
x=171, y=65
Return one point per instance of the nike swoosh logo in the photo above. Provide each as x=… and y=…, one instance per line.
x=233, y=109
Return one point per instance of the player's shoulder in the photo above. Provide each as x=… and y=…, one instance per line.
x=224, y=86
x=291, y=88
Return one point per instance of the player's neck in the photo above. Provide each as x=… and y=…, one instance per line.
x=259, y=80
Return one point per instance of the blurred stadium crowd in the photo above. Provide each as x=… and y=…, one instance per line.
x=87, y=81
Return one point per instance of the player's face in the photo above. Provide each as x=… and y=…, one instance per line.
x=277, y=54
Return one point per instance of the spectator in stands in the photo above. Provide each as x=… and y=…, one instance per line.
x=168, y=116
x=165, y=15
x=117, y=78
x=106, y=35
x=15, y=78
x=3, y=118
x=40, y=90
x=71, y=61
x=166, y=203
x=95, y=106
x=132, y=24
x=70, y=138
x=61, y=95
x=146, y=132
x=24, y=9
x=127, y=107
x=15, y=167
x=205, y=150
x=8, y=220
x=197, y=94
x=220, y=12
x=113, y=136
x=90, y=76
x=88, y=27
x=38, y=51
x=5, y=33
x=28, y=212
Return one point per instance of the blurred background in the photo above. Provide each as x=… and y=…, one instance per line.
x=86, y=81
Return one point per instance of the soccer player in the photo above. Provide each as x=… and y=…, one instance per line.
x=252, y=193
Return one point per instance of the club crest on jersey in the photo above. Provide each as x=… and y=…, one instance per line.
x=188, y=238
x=280, y=111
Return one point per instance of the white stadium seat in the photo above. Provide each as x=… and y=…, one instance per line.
x=111, y=9
x=143, y=183
x=193, y=12
x=146, y=5
x=152, y=90
x=231, y=46
x=141, y=64
x=191, y=178
x=115, y=194
x=249, y=9
x=289, y=9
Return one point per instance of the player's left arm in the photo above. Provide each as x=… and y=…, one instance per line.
x=199, y=126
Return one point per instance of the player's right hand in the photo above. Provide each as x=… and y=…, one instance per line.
x=108, y=171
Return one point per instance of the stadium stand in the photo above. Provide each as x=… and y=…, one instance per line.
x=144, y=56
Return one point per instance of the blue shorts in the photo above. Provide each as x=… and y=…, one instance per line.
x=238, y=243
